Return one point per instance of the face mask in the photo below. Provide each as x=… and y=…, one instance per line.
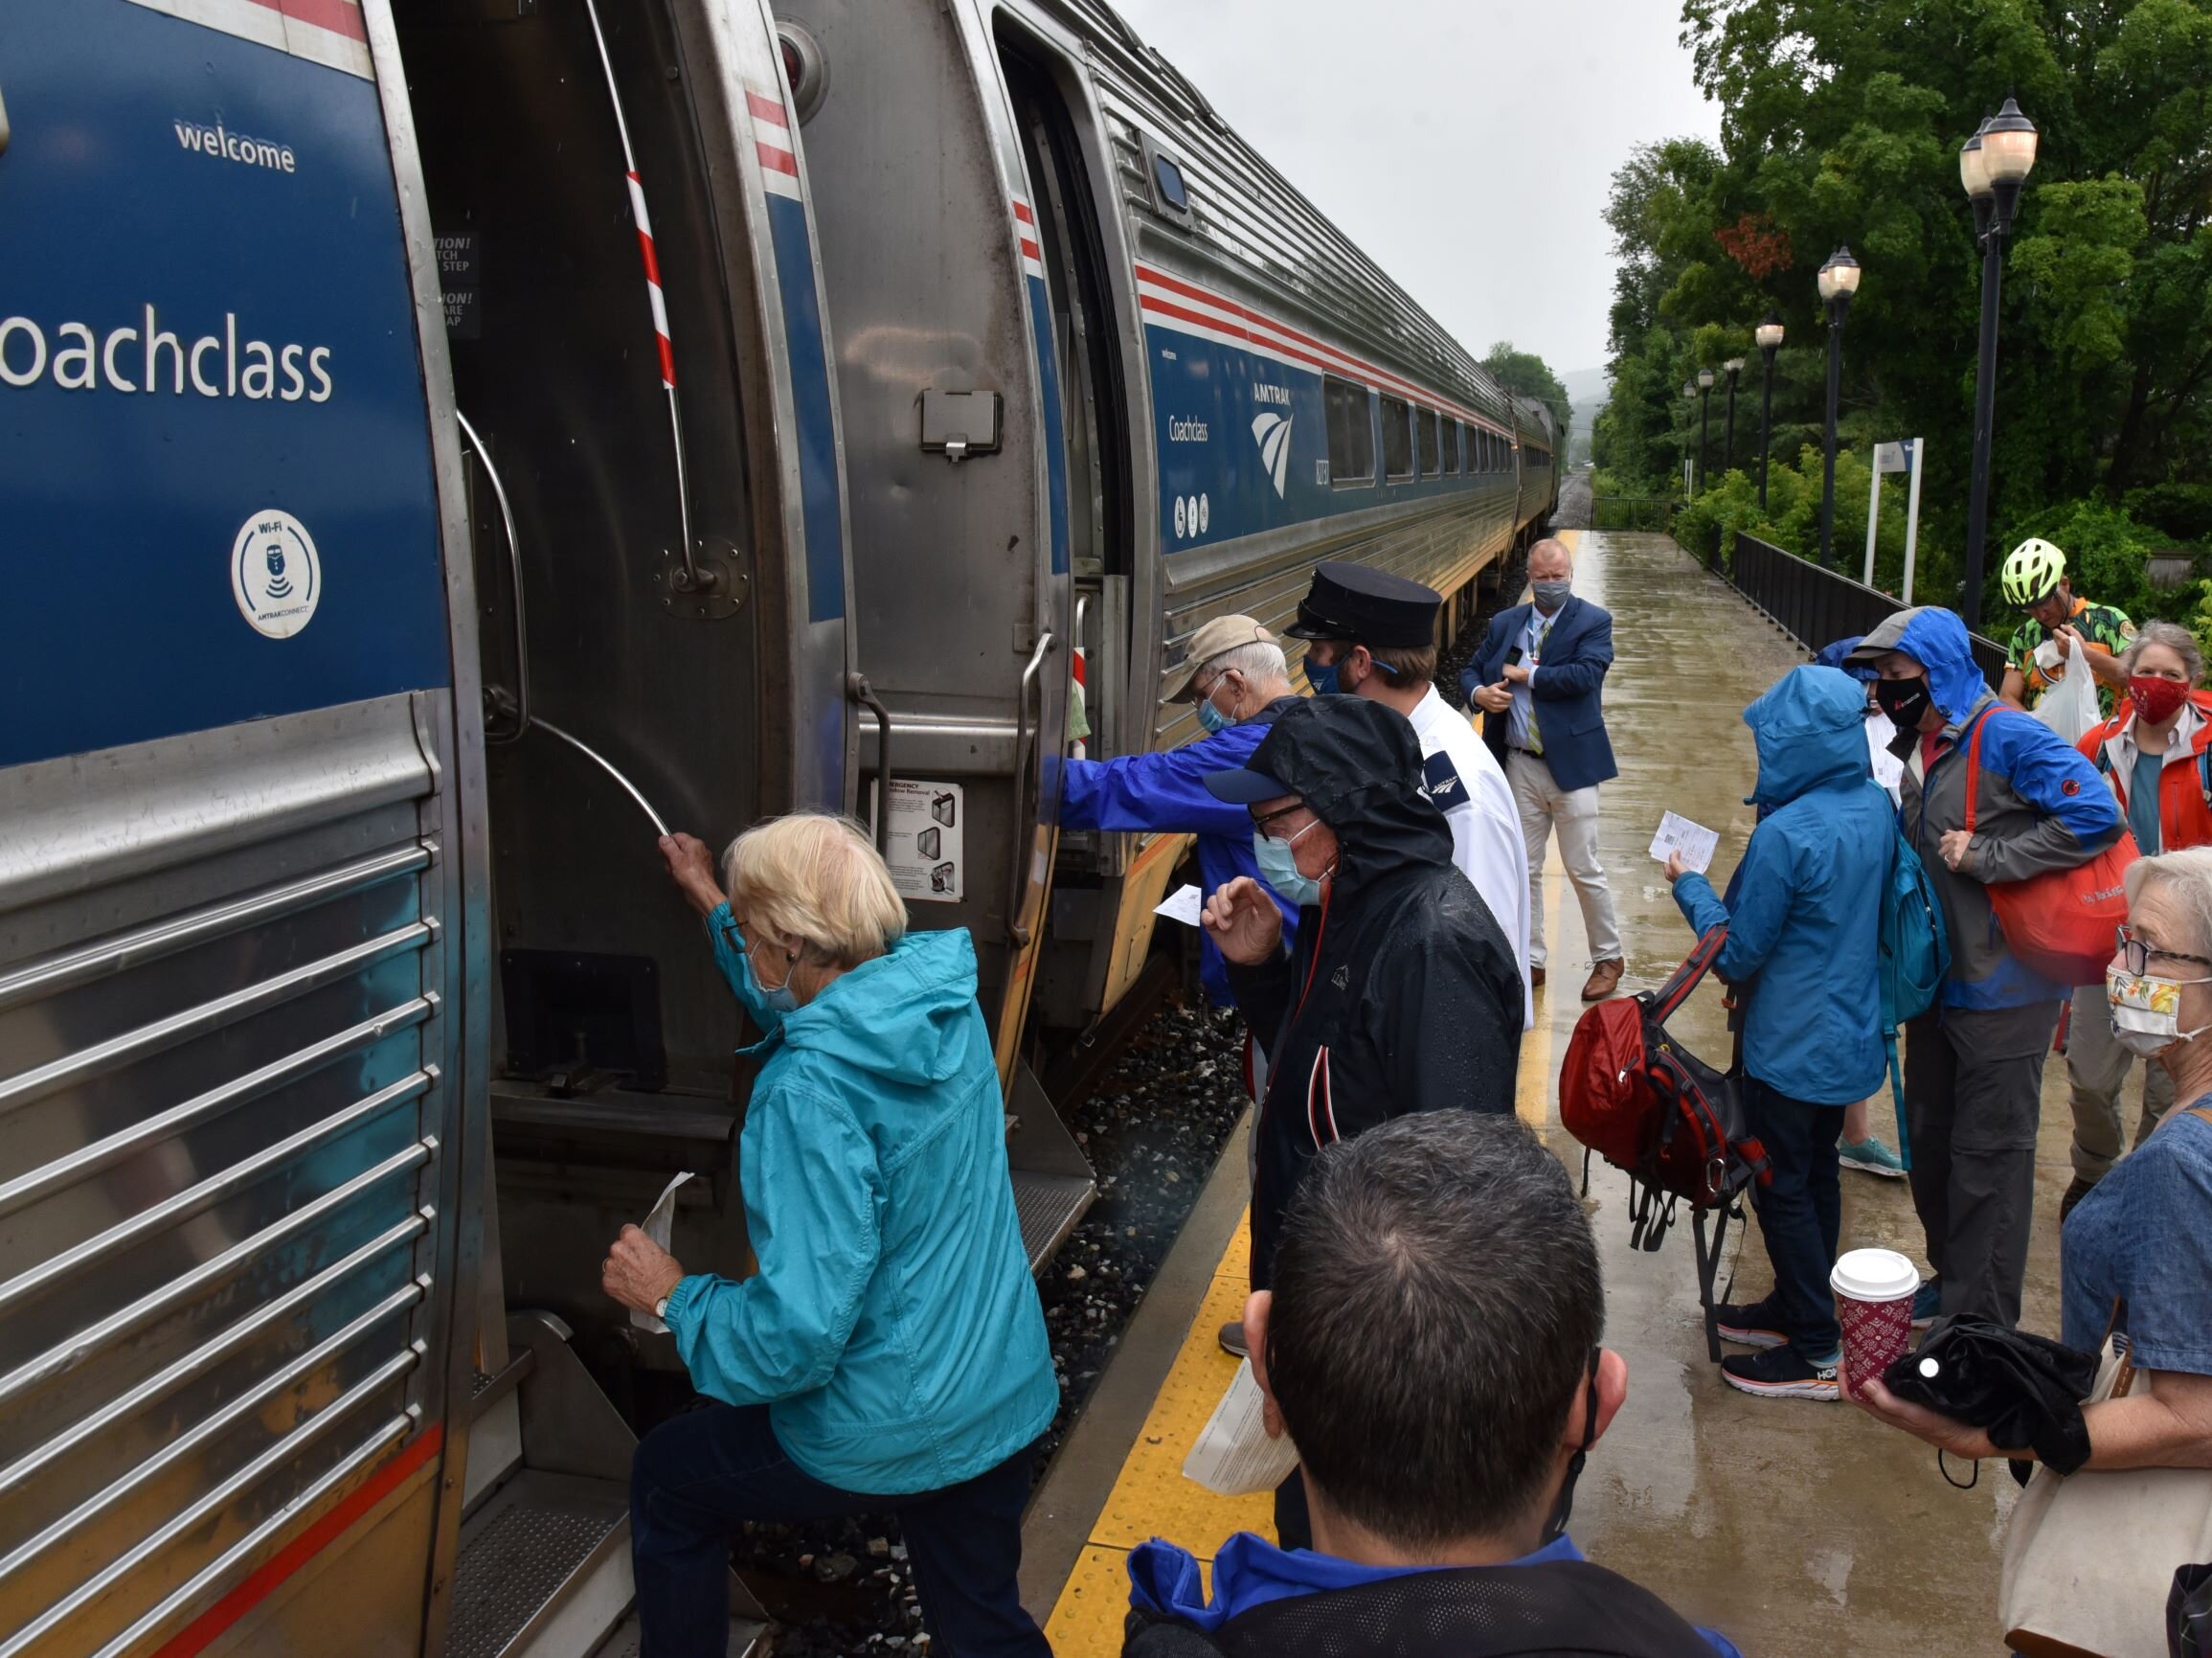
x=1279, y=868
x=1555, y=1527
x=1904, y=700
x=2147, y=1010
x=2155, y=698
x=1213, y=718
x=1552, y=595
x=1323, y=678
x=766, y=1006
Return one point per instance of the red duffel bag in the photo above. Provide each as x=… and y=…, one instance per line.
x=2062, y=922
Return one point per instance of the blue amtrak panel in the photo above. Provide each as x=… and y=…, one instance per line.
x=218, y=501
x=810, y=398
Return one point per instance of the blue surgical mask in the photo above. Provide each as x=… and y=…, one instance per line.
x=1211, y=717
x=731, y=954
x=1322, y=678
x=1278, y=861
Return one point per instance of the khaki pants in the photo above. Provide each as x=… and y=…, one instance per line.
x=2097, y=1065
x=1547, y=808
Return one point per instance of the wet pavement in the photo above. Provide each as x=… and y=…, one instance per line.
x=1795, y=1527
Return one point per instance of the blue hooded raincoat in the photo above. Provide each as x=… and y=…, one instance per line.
x=893, y=1329
x=1804, y=908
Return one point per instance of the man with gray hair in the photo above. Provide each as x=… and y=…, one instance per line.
x=1236, y=674
x=1440, y=1482
x=2156, y=752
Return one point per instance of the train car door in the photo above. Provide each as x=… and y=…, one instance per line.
x=239, y=883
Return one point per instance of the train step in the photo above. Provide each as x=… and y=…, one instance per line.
x=1049, y=1206
x=544, y=1569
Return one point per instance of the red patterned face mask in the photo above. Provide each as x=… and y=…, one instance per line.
x=2155, y=698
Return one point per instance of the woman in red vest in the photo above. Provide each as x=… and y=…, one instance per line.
x=2153, y=752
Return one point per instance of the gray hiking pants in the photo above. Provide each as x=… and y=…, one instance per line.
x=2097, y=1066
x=1972, y=1100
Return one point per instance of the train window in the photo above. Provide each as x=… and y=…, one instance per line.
x=1432, y=450
x=1351, y=432
x=1170, y=194
x=1397, y=437
x=1451, y=446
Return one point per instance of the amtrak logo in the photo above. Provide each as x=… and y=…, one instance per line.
x=276, y=574
x=1271, y=432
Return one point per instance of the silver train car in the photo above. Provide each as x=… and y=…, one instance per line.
x=448, y=440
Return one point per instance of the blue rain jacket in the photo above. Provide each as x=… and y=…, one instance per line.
x=893, y=1329
x=1166, y=794
x=2041, y=808
x=1804, y=908
x=1248, y=1571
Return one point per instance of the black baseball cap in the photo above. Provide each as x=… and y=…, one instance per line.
x=1369, y=606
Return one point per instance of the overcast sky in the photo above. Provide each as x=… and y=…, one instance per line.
x=1465, y=144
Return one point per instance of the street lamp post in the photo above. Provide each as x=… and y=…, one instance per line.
x=1735, y=367
x=1689, y=395
x=1769, y=335
x=1705, y=425
x=1992, y=167
x=1839, y=282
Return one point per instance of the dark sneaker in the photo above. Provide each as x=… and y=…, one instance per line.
x=1231, y=1338
x=1780, y=1372
x=1927, y=1302
x=1751, y=1325
x=2074, y=1193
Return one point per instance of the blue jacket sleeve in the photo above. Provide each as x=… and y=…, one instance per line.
x=810, y=1184
x=1764, y=887
x=2079, y=815
x=1479, y=669
x=1582, y=673
x=1159, y=792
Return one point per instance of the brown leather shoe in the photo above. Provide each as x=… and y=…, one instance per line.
x=1604, y=980
x=1536, y=978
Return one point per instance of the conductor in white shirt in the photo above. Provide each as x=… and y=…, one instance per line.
x=1370, y=633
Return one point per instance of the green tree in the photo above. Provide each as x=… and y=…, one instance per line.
x=1526, y=374
x=1841, y=124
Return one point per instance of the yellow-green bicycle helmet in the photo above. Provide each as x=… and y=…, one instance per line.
x=2032, y=571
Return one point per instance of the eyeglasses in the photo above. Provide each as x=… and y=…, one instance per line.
x=1260, y=820
x=2136, y=953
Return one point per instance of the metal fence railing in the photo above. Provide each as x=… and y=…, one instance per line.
x=1628, y=513
x=1817, y=606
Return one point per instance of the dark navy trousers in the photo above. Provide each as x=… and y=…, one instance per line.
x=701, y=1475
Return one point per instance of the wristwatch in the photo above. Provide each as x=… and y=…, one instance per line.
x=660, y=1310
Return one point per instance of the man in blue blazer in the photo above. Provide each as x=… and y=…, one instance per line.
x=1537, y=679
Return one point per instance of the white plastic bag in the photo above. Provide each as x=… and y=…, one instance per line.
x=2070, y=706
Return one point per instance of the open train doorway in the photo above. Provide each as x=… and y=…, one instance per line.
x=661, y=582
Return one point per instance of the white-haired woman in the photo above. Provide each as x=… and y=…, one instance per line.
x=889, y=1353
x=2154, y=753
x=2136, y=1255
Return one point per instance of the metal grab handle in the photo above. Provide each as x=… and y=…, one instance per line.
x=857, y=687
x=606, y=766
x=1015, y=930
x=514, y=568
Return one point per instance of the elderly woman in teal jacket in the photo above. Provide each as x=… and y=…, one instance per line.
x=1804, y=920
x=889, y=1353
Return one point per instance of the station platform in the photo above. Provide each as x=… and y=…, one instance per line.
x=1792, y=1526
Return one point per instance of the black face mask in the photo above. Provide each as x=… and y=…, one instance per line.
x=1556, y=1528
x=1904, y=700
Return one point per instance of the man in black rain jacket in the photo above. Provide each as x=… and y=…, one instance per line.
x=1402, y=994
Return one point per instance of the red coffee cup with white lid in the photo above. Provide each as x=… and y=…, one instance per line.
x=1874, y=1290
